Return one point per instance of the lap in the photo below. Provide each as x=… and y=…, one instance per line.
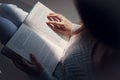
x=13, y=13
x=11, y=18
x=7, y=29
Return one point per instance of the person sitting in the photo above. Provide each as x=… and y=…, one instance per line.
x=94, y=44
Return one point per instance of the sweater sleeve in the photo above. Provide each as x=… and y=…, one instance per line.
x=75, y=27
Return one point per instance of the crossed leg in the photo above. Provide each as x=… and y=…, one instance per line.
x=11, y=17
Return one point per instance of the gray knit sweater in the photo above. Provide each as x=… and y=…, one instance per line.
x=76, y=64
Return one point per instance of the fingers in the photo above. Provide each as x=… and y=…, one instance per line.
x=18, y=65
x=56, y=14
x=50, y=25
x=56, y=29
x=55, y=17
x=36, y=62
x=33, y=67
x=56, y=25
x=55, y=21
x=27, y=64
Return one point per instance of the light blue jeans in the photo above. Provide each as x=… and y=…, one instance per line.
x=11, y=18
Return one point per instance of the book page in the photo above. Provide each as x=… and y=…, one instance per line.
x=34, y=36
x=37, y=20
x=26, y=41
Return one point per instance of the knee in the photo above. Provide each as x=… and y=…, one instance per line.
x=15, y=14
x=7, y=29
x=5, y=7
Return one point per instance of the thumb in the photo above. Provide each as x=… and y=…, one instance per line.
x=35, y=61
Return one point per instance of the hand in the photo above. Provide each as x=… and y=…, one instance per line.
x=59, y=24
x=33, y=68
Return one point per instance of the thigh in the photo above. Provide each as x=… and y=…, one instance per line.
x=13, y=13
x=7, y=29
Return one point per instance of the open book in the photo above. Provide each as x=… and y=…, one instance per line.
x=34, y=36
